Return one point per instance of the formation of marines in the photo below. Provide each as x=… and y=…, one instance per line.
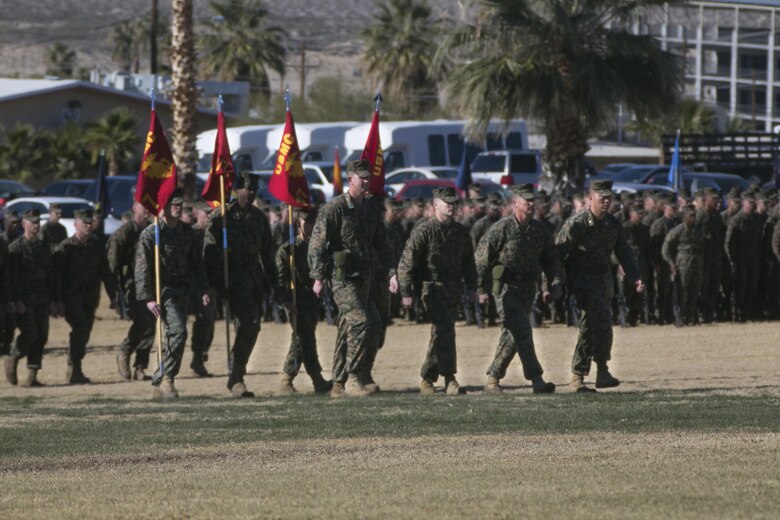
x=516, y=260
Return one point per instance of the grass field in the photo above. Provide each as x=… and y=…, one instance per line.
x=693, y=432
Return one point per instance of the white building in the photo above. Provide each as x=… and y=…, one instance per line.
x=732, y=58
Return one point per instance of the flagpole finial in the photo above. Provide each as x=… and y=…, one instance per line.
x=152, y=97
x=220, y=102
x=378, y=99
x=287, y=97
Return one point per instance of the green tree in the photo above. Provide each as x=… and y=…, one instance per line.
x=116, y=133
x=563, y=63
x=688, y=115
x=61, y=60
x=398, y=55
x=239, y=44
x=130, y=40
x=69, y=157
x=25, y=153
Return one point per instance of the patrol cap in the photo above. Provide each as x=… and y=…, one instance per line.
x=479, y=201
x=602, y=187
x=633, y=207
x=688, y=210
x=309, y=216
x=202, y=205
x=187, y=207
x=525, y=191
x=245, y=181
x=733, y=193
x=361, y=168
x=420, y=203
x=749, y=195
x=494, y=200
x=32, y=215
x=54, y=205
x=85, y=215
x=177, y=197
x=448, y=195
x=476, y=188
x=12, y=216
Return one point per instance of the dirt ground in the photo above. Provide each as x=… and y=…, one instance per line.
x=716, y=358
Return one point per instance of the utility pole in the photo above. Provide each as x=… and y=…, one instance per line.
x=303, y=71
x=153, y=40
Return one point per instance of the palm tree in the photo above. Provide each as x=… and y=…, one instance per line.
x=563, y=63
x=239, y=45
x=70, y=159
x=115, y=132
x=398, y=55
x=130, y=39
x=25, y=153
x=61, y=60
x=185, y=95
x=689, y=116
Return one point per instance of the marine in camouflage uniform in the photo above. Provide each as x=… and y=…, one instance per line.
x=4, y=292
x=585, y=245
x=79, y=266
x=31, y=290
x=52, y=232
x=305, y=314
x=12, y=231
x=743, y=247
x=714, y=231
x=437, y=261
x=683, y=250
x=181, y=267
x=347, y=230
x=638, y=237
x=251, y=267
x=121, y=260
x=205, y=315
x=663, y=277
x=516, y=250
x=492, y=215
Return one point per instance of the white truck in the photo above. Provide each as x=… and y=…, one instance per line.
x=247, y=145
x=432, y=143
x=317, y=141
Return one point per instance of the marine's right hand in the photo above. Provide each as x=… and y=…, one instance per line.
x=484, y=298
x=154, y=308
x=317, y=288
x=406, y=301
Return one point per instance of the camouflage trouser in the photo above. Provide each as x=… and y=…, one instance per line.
x=710, y=287
x=303, y=347
x=664, y=292
x=174, y=321
x=595, y=340
x=441, y=303
x=746, y=277
x=245, y=301
x=690, y=278
x=9, y=328
x=358, y=322
x=514, y=306
x=33, y=334
x=140, y=336
x=80, y=315
x=202, y=326
x=380, y=293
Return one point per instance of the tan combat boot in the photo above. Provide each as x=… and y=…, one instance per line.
x=354, y=388
x=239, y=391
x=11, y=362
x=165, y=390
x=426, y=388
x=451, y=386
x=578, y=384
x=369, y=384
x=321, y=385
x=123, y=365
x=337, y=391
x=140, y=375
x=286, y=387
x=540, y=386
x=492, y=386
x=603, y=378
x=32, y=379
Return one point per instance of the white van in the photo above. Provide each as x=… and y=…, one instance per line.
x=432, y=143
x=247, y=144
x=317, y=141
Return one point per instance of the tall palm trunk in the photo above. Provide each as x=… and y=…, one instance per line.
x=184, y=93
x=567, y=143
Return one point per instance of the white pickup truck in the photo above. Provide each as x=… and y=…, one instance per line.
x=508, y=167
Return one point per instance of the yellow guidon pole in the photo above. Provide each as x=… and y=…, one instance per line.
x=157, y=292
x=226, y=300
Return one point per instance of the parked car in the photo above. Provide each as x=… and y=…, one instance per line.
x=396, y=179
x=423, y=189
x=68, y=206
x=319, y=175
x=610, y=170
x=633, y=187
x=722, y=182
x=69, y=188
x=12, y=189
x=508, y=166
x=120, y=190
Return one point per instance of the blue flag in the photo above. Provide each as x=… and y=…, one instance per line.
x=101, y=193
x=464, y=172
x=674, y=180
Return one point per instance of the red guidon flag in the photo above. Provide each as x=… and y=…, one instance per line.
x=372, y=152
x=221, y=166
x=338, y=184
x=157, y=178
x=288, y=184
